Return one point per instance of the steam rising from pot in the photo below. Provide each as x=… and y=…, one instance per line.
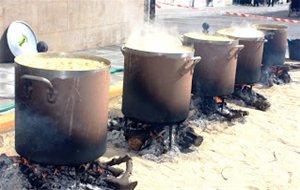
x=155, y=38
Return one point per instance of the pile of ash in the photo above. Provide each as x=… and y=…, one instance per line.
x=19, y=174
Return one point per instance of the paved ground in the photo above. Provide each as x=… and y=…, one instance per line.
x=183, y=20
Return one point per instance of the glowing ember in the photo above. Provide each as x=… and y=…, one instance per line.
x=218, y=99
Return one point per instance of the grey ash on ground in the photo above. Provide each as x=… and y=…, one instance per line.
x=19, y=174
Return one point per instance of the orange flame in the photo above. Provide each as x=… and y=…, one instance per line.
x=218, y=99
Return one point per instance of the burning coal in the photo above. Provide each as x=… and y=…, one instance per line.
x=250, y=98
x=275, y=75
x=216, y=108
x=20, y=173
x=153, y=139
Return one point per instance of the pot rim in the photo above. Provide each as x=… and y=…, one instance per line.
x=229, y=41
x=270, y=27
x=51, y=74
x=257, y=38
x=176, y=55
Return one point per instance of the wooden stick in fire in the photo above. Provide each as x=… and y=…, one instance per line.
x=122, y=183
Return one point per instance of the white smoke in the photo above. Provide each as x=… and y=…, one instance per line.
x=155, y=38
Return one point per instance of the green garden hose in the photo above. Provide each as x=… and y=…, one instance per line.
x=7, y=108
x=116, y=70
x=12, y=106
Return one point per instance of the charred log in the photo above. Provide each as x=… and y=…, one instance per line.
x=156, y=137
x=294, y=66
x=232, y=114
x=186, y=137
x=122, y=183
x=276, y=75
x=251, y=98
x=209, y=106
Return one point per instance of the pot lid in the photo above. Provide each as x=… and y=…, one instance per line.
x=21, y=39
x=270, y=26
x=242, y=33
x=209, y=38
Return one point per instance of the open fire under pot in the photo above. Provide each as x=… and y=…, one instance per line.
x=61, y=126
x=214, y=77
x=249, y=65
x=276, y=45
x=156, y=98
x=274, y=71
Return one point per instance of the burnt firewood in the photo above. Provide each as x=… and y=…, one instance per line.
x=117, y=161
x=116, y=172
x=251, y=98
x=135, y=143
x=212, y=107
x=194, y=138
x=294, y=67
x=186, y=137
x=116, y=124
x=35, y=176
x=136, y=136
x=282, y=77
x=122, y=183
x=232, y=114
x=84, y=167
x=277, y=74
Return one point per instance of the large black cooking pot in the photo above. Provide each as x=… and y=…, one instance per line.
x=215, y=75
x=250, y=58
x=275, y=48
x=157, y=85
x=61, y=116
x=294, y=49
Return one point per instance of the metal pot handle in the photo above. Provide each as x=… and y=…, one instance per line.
x=234, y=51
x=189, y=65
x=196, y=59
x=181, y=38
x=263, y=42
x=123, y=49
x=51, y=94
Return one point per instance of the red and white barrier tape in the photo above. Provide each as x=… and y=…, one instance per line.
x=177, y=5
x=262, y=17
x=235, y=14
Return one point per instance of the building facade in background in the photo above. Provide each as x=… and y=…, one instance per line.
x=69, y=25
